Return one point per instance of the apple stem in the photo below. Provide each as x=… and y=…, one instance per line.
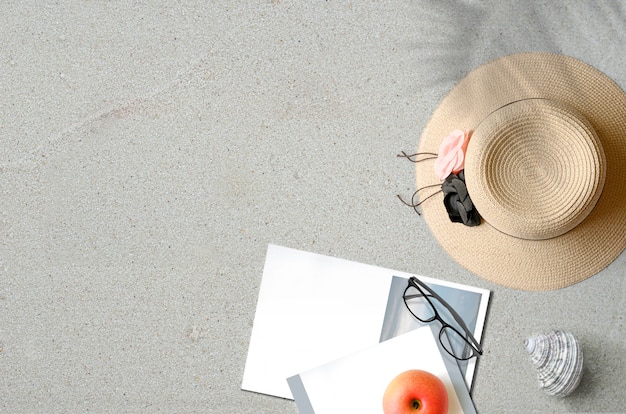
x=416, y=404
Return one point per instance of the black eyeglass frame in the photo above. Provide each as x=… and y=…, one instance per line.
x=467, y=337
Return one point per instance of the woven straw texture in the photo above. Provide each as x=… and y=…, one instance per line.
x=568, y=177
x=534, y=169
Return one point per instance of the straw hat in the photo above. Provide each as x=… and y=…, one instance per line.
x=545, y=167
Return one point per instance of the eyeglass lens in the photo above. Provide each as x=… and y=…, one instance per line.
x=418, y=305
x=457, y=344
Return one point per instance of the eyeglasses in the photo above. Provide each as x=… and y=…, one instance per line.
x=420, y=301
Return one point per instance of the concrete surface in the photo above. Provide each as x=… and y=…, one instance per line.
x=150, y=150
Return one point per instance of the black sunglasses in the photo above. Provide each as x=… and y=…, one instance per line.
x=425, y=311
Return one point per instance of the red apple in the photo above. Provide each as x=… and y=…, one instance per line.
x=415, y=391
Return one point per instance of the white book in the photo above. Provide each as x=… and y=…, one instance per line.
x=357, y=382
x=313, y=309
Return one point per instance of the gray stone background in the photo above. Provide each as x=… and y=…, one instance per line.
x=150, y=150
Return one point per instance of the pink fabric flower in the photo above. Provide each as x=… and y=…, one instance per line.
x=451, y=158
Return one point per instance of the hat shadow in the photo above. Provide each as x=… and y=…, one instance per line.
x=441, y=44
x=451, y=37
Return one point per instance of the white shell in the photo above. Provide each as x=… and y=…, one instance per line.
x=558, y=359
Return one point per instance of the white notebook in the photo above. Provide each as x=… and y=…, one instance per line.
x=357, y=382
x=313, y=309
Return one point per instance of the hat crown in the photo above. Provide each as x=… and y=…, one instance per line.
x=535, y=168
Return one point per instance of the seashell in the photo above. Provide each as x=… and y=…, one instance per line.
x=558, y=359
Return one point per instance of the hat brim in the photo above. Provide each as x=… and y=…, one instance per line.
x=528, y=264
